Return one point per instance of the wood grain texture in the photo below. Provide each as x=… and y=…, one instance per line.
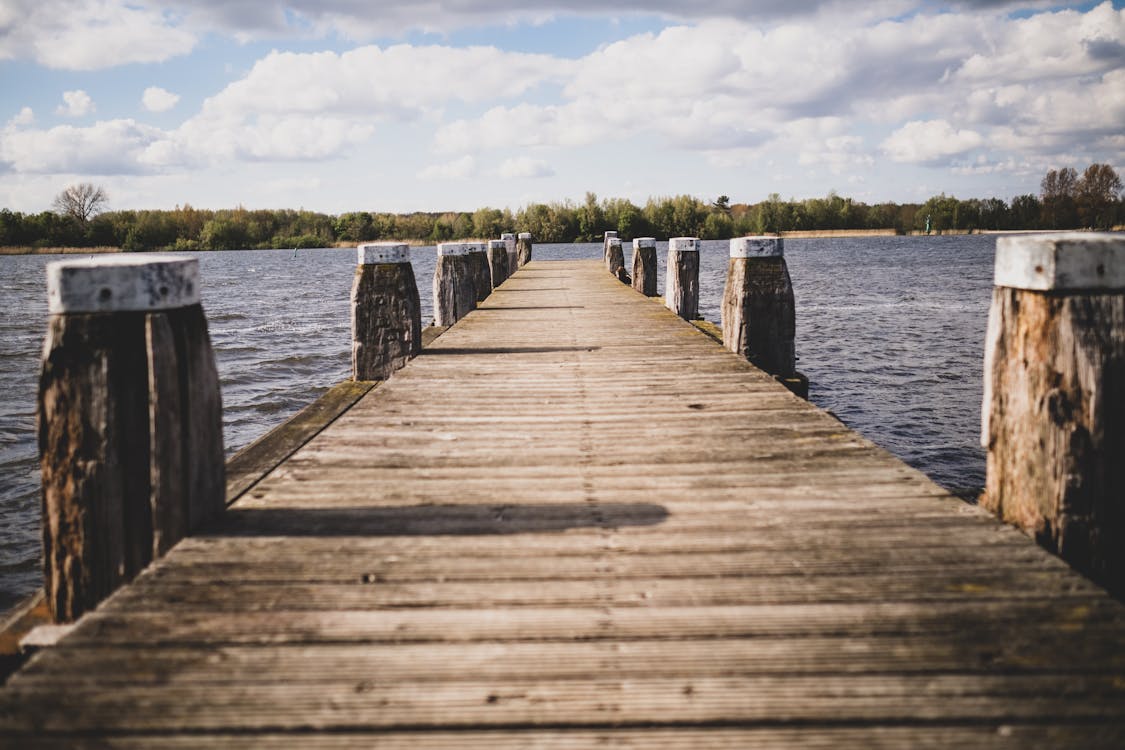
x=681, y=283
x=576, y=521
x=386, y=317
x=455, y=290
x=1055, y=427
x=524, y=248
x=758, y=313
x=94, y=456
x=482, y=274
x=498, y=265
x=644, y=271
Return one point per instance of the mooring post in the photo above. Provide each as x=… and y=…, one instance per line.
x=455, y=289
x=130, y=422
x=523, y=249
x=605, y=246
x=511, y=243
x=386, y=311
x=1053, y=416
x=615, y=259
x=681, y=277
x=482, y=275
x=644, y=266
x=497, y=262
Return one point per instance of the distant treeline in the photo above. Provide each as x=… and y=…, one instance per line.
x=1066, y=201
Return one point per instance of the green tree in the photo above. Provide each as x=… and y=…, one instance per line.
x=1057, y=192
x=1097, y=194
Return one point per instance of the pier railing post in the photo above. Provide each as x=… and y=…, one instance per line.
x=615, y=259
x=498, y=262
x=482, y=275
x=644, y=266
x=611, y=235
x=455, y=289
x=511, y=243
x=130, y=422
x=1053, y=417
x=758, y=312
x=681, y=278
x=523, y=249
x=386, y=311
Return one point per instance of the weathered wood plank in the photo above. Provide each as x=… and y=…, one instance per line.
x=370, y=703
x=1005, y=736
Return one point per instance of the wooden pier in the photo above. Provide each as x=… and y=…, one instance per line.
x=576, y=520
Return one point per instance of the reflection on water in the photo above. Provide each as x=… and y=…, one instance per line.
x=890, y=332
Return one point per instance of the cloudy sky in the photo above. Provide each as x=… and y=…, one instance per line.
x=401, y=105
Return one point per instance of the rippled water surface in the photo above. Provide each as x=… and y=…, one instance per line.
x=890, y=332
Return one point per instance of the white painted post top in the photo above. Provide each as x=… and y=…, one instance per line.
x=610, y=235
x=640, y=242
x=757, y=247
x=453, y=248
x=374, y=253
x=613, y=241
x=508, y=236
x=684, y=244
x=477, y=247
x=497, y=245
x=525, y=236
x=1060, y=261
x=122, y=283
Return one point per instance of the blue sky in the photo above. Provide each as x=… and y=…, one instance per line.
x=340, y=105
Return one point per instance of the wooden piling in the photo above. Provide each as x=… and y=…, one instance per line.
x=498, y=261
x=523, y=249
x=681, y=278
x=758, y=313
x=605, y=246
x=130, y=422
x=1053, y=416
x=615, y=259
x=510, y=243
x=386, y=311
x=482, y=275
x=455, y=293
x=644, y=266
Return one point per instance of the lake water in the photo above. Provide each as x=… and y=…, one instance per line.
x=890, y=331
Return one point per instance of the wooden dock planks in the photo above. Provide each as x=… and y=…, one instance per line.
x=575, y=521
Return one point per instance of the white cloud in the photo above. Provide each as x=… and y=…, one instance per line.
x=24, y=117
x=90, y=35
x=524, y=167
x=929, y=142
x=76, y=104
x=105, y=148
x=458, y=169
x=156, y=99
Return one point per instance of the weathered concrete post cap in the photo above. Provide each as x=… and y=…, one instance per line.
x=525, y=235
x=610, y=235
x=613, y=241
x=684, y=244
x=122, y=283
x=453, y=248
x=497, y=245
x=640, y=242
x=757, y=247
x=1062, y=261
x=477, y=247
x=383, y=252
x=508, y=236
